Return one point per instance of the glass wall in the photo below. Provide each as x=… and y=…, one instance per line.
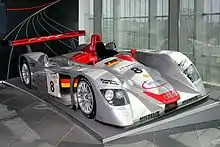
x=211, y=52
x=144, y=24
x=107, y=23
x=187, y=28
x=200, y=36
x=161, y=25
x=140, y=24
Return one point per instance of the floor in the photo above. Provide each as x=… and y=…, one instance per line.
x=26, y=121
x=33, y=123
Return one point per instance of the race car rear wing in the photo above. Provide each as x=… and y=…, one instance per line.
x=28, y=41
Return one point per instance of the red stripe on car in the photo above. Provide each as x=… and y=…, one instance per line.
x=165, y=98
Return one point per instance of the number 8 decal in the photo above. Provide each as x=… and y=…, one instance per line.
x=52, y=86
x=136, y=70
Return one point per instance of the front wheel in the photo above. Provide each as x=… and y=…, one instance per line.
x=25, y=73
x=86, y=98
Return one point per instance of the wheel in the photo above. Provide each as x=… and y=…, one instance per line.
x=86, y=98
x=25, y=73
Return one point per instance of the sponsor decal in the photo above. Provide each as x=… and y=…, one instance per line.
x=150, y=116
x=182, y=63
x=112, y=82
x=170, y=94
x=190, y=100
x=150, y=83
x=126, y=66
x=112, y=62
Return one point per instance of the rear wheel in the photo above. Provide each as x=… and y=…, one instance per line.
x=86, y=98
x=25, y=73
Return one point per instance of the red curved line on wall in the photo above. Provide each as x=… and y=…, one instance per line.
x=29, y=8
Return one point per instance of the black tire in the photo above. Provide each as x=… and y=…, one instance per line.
x=93, y=112
x=22, y=62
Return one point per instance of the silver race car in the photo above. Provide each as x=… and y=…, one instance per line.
x=120, y=88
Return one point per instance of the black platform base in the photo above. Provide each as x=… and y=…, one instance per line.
x=193, y=114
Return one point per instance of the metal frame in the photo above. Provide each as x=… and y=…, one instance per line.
x=98, y=16
x=173, y=25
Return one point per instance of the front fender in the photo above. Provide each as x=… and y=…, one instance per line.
x=99, y=79
x=169, y=68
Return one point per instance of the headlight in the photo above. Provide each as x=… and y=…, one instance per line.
x=119, y=95
x=109, y=95
x=115, y=97
x=192, y=73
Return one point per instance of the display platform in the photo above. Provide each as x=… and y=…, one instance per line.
x=105, y=133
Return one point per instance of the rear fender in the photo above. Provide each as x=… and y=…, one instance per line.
x=32, y=60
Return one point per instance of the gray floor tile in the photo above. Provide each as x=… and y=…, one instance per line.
x=145, y=140
x=78, y=135
x=71, y=144
x=52, y=128
x=5, y=131
x=13, y=128
x=177, y=137
x=6, y=96
x=33, y=115
x=209, y=133
x=208, y=89
x=20, y=103
x=143, y=143
x=6, y=142
x=30, y=143
x=215, y=94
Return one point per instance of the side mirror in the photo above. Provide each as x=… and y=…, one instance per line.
x=110, y=45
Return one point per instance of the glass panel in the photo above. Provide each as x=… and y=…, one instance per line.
x=107, y=29
x=161, y=33
x=187, y=29
x=86, y=19
x=211, y=45
x=162, y=7
x=133, y=26
x=200, y=36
